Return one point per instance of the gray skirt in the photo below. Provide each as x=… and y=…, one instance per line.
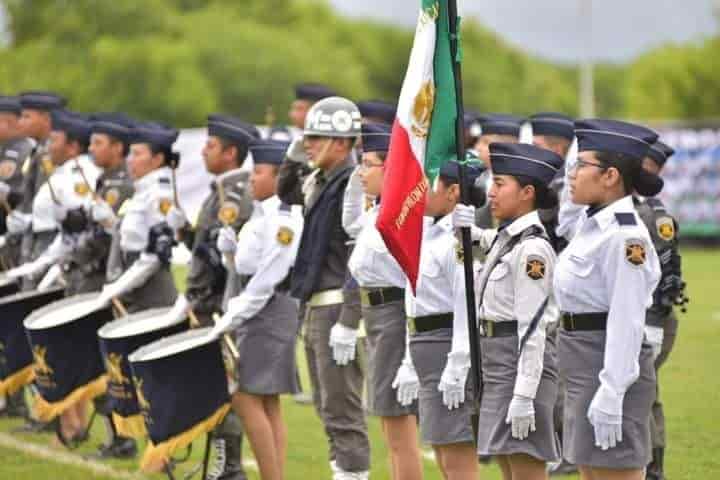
x=266, y=348
x=386, y=326
x=499, y=368
x=438, y=425
x=581, y=356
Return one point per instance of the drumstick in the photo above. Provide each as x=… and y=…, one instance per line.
x=194, y=322
x=119, y=306
x=229, y=258
x=228, y=341
x=106, y=223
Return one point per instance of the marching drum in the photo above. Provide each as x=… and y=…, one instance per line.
x=14, y=347
x=117, y=340
x=182, y=391
x=68, y=364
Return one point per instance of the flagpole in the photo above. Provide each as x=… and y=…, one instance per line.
x=475, y=362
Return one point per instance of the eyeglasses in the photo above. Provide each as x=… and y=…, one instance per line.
x=582, y=164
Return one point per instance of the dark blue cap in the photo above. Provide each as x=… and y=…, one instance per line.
x=375, y=137
x=450, y=170
x=553, y=124
x=10, y=105
x=313, y=92
x=377, y=110
x=41, y=101
x=524, y=159
x=154, y=133
x=232, y=129
x=614, y=136
x=269, y=152
x=660, y=153
x=116, y=124
x=500, y=124
x=72, y=123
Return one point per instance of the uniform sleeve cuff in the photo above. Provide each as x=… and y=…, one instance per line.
x=526, y=386
x=608, y=400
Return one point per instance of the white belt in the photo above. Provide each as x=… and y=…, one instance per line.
x=326, y=298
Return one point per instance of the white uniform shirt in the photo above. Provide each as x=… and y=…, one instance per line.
x=611, y=266
x=516, y=288
x=147, y=207
x=267, y=246
x=371, y=263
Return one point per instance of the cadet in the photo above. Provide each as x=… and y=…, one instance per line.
x=494, y=127
x=661, y=322
x=519, y=375
x=15, y=150
x=436, y=363
x=229, y=204
x=382, y=284
x=264, y=317
x=332, y=126
x=603, y=284
x=36, y=123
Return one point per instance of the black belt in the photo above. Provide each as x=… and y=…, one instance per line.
x=584, y=321
x=378, y=296
x=498, y=329
x=429, y=323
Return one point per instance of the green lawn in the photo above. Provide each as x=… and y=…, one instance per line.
x=691, y=393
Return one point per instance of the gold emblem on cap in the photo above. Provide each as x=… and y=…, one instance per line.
x=228, y=213
x=635, y=252
x=112, y=196
x=422, y=110
x=535, y=268
x=165, y=205
x=285, y=236
x=81, y=189
x=666, y=228
x=7, y=168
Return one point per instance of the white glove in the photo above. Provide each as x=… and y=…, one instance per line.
x=453, y=379
x=29, y=269
x=51, y=277
x=608, y=428
x=102, y=213
x=4, y=191
x=227, y=323
x=296, y=151
x=521, y=414
x=178, y=311
x=59, y=212
x=343, y=341
x=227, y=240
x=176, y=218
x=138, y=273
x=654, y=336
x=463, y=216
x=18, y=222
x=406, y=383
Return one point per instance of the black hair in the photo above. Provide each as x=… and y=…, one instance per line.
x=476, y=190
x=172, y=159
x=545, y=198
x=634, y=177
x=83, y=142
x=242, y=149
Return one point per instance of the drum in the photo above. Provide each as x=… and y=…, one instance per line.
x=68, y=364
x=8, y=286
x=117, y=340
x=17, y=370
x=182, y=391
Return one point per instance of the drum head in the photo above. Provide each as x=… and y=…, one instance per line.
x=173, y=345
x=139, y=323
x=65, y=311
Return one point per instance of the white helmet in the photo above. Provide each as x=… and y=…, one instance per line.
x=333, y=117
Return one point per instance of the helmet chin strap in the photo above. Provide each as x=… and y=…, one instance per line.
x=323, y=152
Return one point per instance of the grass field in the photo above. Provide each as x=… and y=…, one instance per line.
x=690, y=390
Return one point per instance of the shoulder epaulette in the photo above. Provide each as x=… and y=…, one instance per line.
x=625, y=219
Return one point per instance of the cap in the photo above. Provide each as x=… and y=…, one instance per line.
x=524, y=159
x=313, y=92
x=500, y=124
x=378, y=110
x=375, y=137
x=231, y=128
x=614, y=136
x=36, y=100
x=269, y=152
x=553, y=124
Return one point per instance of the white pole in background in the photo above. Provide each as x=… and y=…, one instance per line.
x=587, y=88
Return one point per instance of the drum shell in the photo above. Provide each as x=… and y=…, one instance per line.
x=182, y=389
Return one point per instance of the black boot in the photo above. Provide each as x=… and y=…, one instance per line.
x=227, y=459
x=15, y=406
x=116, y=446
x=656, y=468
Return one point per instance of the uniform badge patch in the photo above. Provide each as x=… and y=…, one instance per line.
x=47, y=165
x=7, y=168
x=81, y=189
x=535, y=267
x=285, y=236
x=164, y=205
x=112, y=196
x=665, y=228
x=635, y=252
x=228, y=213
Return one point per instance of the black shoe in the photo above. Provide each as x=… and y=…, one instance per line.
x=564, y=468
x=15, y=406
x=120, y=448
x=655, y=470
x=33, y=426
x=227, y=460
x=485, y=459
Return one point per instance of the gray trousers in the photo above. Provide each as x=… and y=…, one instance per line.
x=657, y=416
x=337, y=392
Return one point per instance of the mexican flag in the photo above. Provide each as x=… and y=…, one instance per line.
x=423, y=136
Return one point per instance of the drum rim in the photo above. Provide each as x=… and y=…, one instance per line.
x=35, y=314
x=141, y=354
x=105, y=332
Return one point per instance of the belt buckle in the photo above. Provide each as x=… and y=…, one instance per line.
x=489, y=328
x=365, y=297
x=571, y=317
x=412, y=330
